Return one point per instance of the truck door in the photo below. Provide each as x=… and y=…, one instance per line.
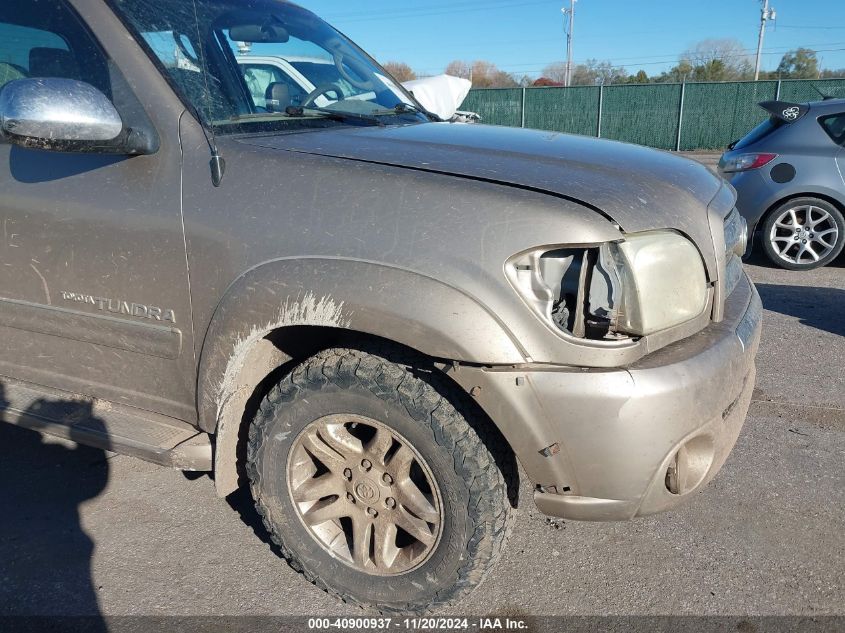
x=94, y=292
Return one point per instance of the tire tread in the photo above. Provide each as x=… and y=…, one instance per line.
x=389, y=375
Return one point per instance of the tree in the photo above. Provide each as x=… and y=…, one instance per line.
x=459, y=69
x=801, y=63
x=833, y=74
x=640, y=78
x=588, y=74
x=555, y=73
x=483, y=74
x=545, y=81
x=711, y=60
x=718, y=60
x=594, y=72
x=678, y=74
x=400, y=71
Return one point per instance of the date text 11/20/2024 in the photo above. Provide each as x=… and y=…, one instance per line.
x=417, y=624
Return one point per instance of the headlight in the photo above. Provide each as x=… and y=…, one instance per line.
x=662, y=279
x=647, y=283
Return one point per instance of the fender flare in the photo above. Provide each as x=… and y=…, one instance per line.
x=419, y=312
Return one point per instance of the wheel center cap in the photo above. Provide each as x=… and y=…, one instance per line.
x=367, y=491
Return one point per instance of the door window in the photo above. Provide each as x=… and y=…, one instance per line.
x=45, y=39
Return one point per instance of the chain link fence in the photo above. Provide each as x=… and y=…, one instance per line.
x=688, y=117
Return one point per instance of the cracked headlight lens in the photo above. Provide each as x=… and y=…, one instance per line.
x=662, y=280
x=615, y=291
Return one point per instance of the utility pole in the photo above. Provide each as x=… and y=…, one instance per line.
x=569, y=27
x=766, y=15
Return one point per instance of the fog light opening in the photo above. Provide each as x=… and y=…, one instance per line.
x=689, y=466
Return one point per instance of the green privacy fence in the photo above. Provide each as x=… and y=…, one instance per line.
x=689, y=116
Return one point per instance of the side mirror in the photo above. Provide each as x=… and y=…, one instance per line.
x=61, y=115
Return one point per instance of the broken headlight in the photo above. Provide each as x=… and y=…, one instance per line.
x=647, y=283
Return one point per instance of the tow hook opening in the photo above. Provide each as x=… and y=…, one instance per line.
x=690, y=465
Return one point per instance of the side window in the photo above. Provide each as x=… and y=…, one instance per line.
x=835, y=127
x=16, y=46
x=45, y=38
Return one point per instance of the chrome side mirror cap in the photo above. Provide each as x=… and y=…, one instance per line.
x=60, y=115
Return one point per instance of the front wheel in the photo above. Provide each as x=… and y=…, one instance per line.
x=803, y=234
x=373, y=484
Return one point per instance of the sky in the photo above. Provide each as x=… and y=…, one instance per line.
x=523, y=37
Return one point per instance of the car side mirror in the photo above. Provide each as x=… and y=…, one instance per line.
x=63, y=115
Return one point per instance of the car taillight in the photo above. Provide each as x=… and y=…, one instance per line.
x=747, y=162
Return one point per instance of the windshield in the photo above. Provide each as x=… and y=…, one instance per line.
x=247, y=65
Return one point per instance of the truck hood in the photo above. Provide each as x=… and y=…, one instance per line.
x=638, y=188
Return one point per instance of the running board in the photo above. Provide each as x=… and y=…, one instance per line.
x=106, y=425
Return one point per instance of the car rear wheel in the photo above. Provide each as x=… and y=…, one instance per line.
x=803, y=234
x=378, y=482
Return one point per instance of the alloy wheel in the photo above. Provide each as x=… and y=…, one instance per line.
x=804, y=235
x=365, y=494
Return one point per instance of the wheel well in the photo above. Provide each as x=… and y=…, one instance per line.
x=836, y=203
x=280, y=351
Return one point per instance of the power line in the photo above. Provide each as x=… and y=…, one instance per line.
x=537, y=66
x=810, y=28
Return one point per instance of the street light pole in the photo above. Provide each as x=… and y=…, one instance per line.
x=766, y=15
x=569, y=25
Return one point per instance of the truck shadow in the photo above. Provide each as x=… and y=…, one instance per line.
x=32, y=166
x=819, y=308
x=45, y=554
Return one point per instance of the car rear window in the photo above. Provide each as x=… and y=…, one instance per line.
x=834, y=125
x=758, y=133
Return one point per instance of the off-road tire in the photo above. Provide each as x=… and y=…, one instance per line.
x=469, y=460
x=772, y=217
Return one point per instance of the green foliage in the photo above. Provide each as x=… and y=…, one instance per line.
x=801, y=63
x=711, y=60
x=640, y=78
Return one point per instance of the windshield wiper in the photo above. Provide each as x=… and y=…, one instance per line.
x=336, y=115
x=409, y=108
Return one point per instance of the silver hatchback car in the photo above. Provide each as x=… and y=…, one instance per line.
x=789, y=174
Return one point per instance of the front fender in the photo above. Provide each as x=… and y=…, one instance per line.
x=411, y=309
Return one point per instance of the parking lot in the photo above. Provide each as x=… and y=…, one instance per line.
x=84, y=532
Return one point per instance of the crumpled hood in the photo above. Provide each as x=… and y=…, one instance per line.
x=639, y=188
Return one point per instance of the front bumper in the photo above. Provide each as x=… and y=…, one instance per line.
x=616, y=433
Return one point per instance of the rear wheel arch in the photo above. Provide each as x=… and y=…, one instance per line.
x=839, y=203
x=757, y=229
